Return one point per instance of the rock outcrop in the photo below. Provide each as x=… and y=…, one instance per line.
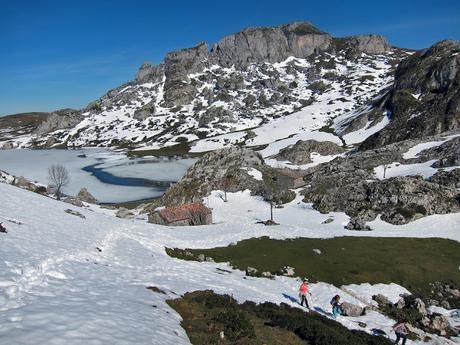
x=399, y=200
x=150, y=73
x=446, y=154
x=60, y=119
x=178, y=65
x=300, y=152
x=270, y=44
x=369, y=44
x=425, y=98
x=450, y=179
x=228, y=170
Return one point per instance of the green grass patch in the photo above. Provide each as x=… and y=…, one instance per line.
x=179, y=149
x=206, y=314
x=411, y=262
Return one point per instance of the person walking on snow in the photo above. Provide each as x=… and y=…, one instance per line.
x=401, y=331
x=303, y=291
x=336, y=308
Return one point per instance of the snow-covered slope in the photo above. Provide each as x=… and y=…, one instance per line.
x=71, y=280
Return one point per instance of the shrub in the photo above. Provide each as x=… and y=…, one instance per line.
x=236, y=324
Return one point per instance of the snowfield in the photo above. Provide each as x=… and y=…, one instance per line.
x=71, y=280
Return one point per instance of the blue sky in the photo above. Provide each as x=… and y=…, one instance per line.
x=56, y=54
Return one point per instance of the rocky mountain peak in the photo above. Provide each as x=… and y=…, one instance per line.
x=369, y=44
x=259, y=45
x=270, y=44
x=149, y=72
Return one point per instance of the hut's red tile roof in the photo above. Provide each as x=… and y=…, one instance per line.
x=182, y=212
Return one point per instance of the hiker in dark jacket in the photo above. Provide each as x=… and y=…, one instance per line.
x=401, y=331
x=336, y=308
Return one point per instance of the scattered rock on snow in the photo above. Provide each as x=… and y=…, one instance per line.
x=327, y=221
x=288, y=271
x=74, y=213
x=251, y=271
x=2, y=228
x=73, y=201
x=357, y=224
x=124, y=213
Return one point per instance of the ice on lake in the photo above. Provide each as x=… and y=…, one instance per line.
x=33, y=164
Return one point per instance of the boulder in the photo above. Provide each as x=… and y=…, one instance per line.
x=124, y=213
x=22, y=182
x=288, y=271
x=357, y=224
x=2, y=228
x=439, y=323
x=7, y=146
x=353, y=310
x=420, y=306
x=251, y=271
x=381, y=300
x=84, y=195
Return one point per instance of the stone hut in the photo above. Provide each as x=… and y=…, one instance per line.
x=291, y=178
x=189, y=214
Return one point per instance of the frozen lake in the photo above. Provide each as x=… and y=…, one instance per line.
x=110, y=176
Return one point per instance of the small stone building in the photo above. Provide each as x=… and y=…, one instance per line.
x=291, y=178
x=189, y=214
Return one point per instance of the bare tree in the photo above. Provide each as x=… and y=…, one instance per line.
x=225, y=184
x=271, y=195
x=58, y=177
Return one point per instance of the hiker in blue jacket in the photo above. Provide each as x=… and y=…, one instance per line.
x=336, y=308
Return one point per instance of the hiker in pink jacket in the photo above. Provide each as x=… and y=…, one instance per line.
x=303, y=291
x=401, y=331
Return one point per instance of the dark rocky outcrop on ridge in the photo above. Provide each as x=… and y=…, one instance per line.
x=425, y=98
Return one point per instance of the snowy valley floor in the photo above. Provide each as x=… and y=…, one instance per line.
x=69, y=280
